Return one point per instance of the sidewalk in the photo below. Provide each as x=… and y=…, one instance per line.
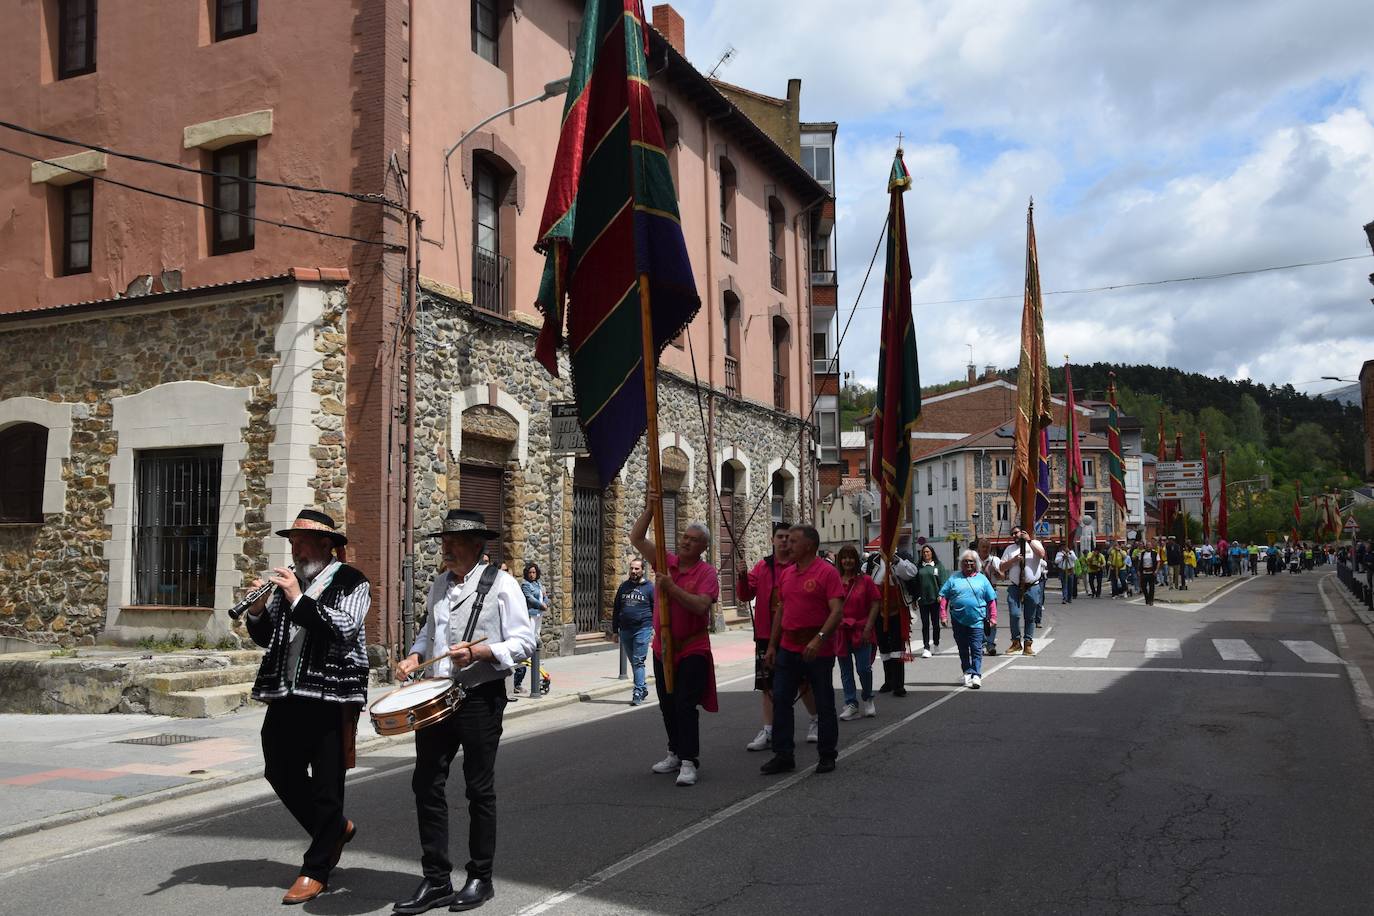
x=58, y=769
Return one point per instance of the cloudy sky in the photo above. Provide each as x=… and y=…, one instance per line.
x=1166, y=139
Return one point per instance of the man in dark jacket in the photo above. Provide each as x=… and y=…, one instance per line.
x=1173, y=553
x=632, y=619
x=314, y=682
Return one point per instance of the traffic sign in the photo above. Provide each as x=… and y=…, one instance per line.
x=1179, y=470
x=1352, y=525
x=1179, y=489
x=1042, y=529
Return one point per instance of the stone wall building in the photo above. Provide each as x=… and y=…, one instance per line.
x=172, y=389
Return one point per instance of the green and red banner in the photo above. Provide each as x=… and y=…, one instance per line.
x=899, y=382
x=610, y=216
x=1206, y=492
x=1116, y=469
x=1073, y=460
x=1029, y=480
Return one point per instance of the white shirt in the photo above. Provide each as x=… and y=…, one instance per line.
x=1034, y=564
x=1065, y=560
x=447, y=593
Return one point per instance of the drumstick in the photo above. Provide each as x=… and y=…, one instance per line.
x=439, y=658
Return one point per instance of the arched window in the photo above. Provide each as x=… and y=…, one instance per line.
x=23, y=453
x=731, y=326
x=777, y=263
x=728, y=182
x=491, y=231
x=780, y=362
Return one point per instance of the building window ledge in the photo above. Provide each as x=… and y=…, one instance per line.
x=66, y=170
x=217, y=134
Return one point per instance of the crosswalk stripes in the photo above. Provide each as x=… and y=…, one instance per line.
x=1094, y=648
x=1309, y=651
x=1228, y=650
x=1163, y=648
x=1235, y=650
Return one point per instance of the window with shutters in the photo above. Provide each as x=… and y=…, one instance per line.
x=670, y=528
x=481, y=488
x=23, y=454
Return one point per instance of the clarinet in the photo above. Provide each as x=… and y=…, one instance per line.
x=252, y=597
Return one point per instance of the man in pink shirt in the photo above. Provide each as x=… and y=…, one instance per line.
x=690, y=585
x=761, y=585
x=802, y=648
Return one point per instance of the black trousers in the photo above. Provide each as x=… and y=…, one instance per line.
x=1147, y=586
x=476, y=728
x=302, y=747
x=681, y=717
x=930, y=623
x=1095, y=583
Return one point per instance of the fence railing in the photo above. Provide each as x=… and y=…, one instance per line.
x=727, y=239
x=776, y=273
x=779, y=391
x=731, y=376
x=490, y=289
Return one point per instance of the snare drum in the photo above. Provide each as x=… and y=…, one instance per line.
x=416, y=705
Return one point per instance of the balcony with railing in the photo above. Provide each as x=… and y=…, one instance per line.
x=822, y=278
x=727, y=239
x=776, y=273
x=731, y=376
x=490, y=281
x=779, y=391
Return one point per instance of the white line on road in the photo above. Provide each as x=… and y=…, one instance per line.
x=1163, y=648
x=1364, y=696
x=1309, y=651
x=593, y=881
x=1157, y=670
x=1235, y=650
x=1194, y=608
x=1094, y=648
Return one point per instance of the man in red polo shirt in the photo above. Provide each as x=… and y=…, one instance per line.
x=802, y=649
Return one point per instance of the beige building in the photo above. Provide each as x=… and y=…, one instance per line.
x=179, y=376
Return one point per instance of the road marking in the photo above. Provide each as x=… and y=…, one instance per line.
x=593, y=881
x=1242, y=672
x=1094, y=648
x=1364, y=696
x=1163, y=648
x=1309, y=651
x=1194, y=608
x=1235, y=650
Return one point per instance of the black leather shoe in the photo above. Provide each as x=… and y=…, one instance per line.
x=778, y=764
x=426, y=897
x=826, y=765
x=475, y=893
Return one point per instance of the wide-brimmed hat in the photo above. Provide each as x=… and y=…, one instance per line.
x=317, y=522
x=465, y=521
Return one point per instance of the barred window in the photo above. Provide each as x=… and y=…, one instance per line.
x=177, y=526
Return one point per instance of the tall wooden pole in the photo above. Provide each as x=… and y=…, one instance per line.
x=665, y=627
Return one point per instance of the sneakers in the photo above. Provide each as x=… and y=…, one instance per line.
x=968, y=680
x=762, y=741
x=1026, y=649
x=687, y=776
x=1015, y=647
x=636, y=700
x=850, y=712
x=813, y=732
x=870, y=709
x=977, y=683
x=778, y=764
x=925, y=653
x=990, y=650
x=670, y=764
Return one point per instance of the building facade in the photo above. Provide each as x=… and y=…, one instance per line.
x=175, y=387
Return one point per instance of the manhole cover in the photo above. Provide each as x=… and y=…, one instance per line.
x=162, y=740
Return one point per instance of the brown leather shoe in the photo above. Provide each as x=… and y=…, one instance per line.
x=1015, y=647
x=1026, y=648
x=304, y=889
x=350, y=830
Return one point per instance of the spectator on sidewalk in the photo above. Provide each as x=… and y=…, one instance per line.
x=761, y=585
x=1024, y=565
x=1173, y=555
x=802, y=648
x=632, y=621
x=314, y=682
x=856, y=642
x=537, y=602
x=1189, y=564
x=690, y=585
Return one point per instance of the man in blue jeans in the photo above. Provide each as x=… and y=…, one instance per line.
x=1023, y=565
x=633, y=619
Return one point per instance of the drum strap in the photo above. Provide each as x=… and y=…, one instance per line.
x=484, y=585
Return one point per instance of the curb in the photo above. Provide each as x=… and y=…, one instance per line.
x=524, y=708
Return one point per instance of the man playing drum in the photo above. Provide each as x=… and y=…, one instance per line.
x=314, y=682
x=469, y=602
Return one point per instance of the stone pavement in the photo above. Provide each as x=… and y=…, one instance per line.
x=58, y=769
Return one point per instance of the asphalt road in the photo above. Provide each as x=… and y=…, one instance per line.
x=1211, y=759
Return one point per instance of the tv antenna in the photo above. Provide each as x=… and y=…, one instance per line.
x=725, y=58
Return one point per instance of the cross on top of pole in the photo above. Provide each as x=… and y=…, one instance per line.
x=899, y=141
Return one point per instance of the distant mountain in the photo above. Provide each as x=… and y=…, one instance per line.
x=1350, y=394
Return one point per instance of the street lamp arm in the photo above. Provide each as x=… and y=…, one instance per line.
x=551, y=89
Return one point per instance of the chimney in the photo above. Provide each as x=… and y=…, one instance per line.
x=972, y=374
x=668, y=22
x=989, y=372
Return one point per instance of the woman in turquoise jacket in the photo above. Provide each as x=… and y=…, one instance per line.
x=971, y=602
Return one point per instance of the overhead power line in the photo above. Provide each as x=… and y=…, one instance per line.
x=204, y=206
x=134, y=157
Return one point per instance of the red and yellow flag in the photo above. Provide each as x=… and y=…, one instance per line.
x=1033, y=408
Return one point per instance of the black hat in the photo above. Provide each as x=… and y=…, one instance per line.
x=465, y=521
x=316, y=522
